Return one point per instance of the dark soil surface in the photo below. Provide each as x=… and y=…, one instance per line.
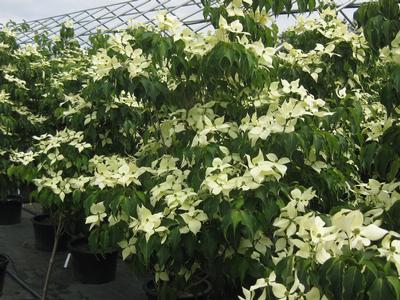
x=17, y=241
x=43, y=220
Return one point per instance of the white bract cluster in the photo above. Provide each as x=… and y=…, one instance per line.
x=378, y=194
x=113, y=171
x=47, y=142
x=51, y=157
x=61, y=185
x=392, y=53
x=128, y=58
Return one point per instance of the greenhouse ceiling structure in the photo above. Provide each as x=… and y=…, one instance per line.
x=113, y=17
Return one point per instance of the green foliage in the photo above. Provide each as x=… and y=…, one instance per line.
x=380, y=21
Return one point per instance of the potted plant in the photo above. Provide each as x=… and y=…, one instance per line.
x=114, y=120
x=254, y=141
x=91, y=266
x=159, y=200
x=21, y=118
x=45, y=234
x=322, y=247
x=15, y=119
x=11, y=208
x=58, y=164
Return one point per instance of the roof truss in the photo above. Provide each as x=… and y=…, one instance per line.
x=113, y=17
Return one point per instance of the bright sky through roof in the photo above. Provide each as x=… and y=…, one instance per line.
x=19, y=10
x=188, y=11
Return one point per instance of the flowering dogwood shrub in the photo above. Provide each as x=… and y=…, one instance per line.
x=273, y=170
x=260, y=173
x=18, y=119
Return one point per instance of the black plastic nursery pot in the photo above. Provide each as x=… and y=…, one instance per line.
x=89, y=267
x=3, y=266
x=10, y=210
x=200, y=291
x=44, y=233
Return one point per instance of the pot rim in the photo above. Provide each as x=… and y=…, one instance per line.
x=84, y=240
x=15, y=196
x=18, y=200
x=38, y=219
x=4, y=260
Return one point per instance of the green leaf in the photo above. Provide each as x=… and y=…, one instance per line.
x=284, y=269
x=389, y=8
x=367, y=154
x=278, y=6
x=382, y=160
x=335, y=278
x=288, y=5
x=381, y=289
x=302, y=4
x=248, y=221
x=236, y=218
x=210, y=242
x=189, y=244
x=241, y=265
x=174, y=238
x=395, y=284
x=163, y=254
x=353, y=284
x=394, y=169
x=311, y=5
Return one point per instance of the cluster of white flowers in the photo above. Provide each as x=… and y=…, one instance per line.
x=28, y=50
x=98, y=213
x=68, y=24
x=125, y=98
x=4, y=97
x=110, y=171
x=133, y=60
x=167, y=22
x=49, y=146
x=75, y=104
x=282, y=116
x=24, y=158
x=307, y=235
x=309, y=61
x=20, y=109
x=376, y=119
x=60, y=185
x=4, y=130
x=392, y=53
x=280, y=291
x=180, y=200
x=103, y=64
x=8, y=32
x=378, y=194
x=18, y=82
x=148, y=222
x=48, y=142
x=32, y=118
x=331, y=27
x=4, y=47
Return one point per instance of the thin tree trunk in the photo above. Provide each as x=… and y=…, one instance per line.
x=59, y=230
